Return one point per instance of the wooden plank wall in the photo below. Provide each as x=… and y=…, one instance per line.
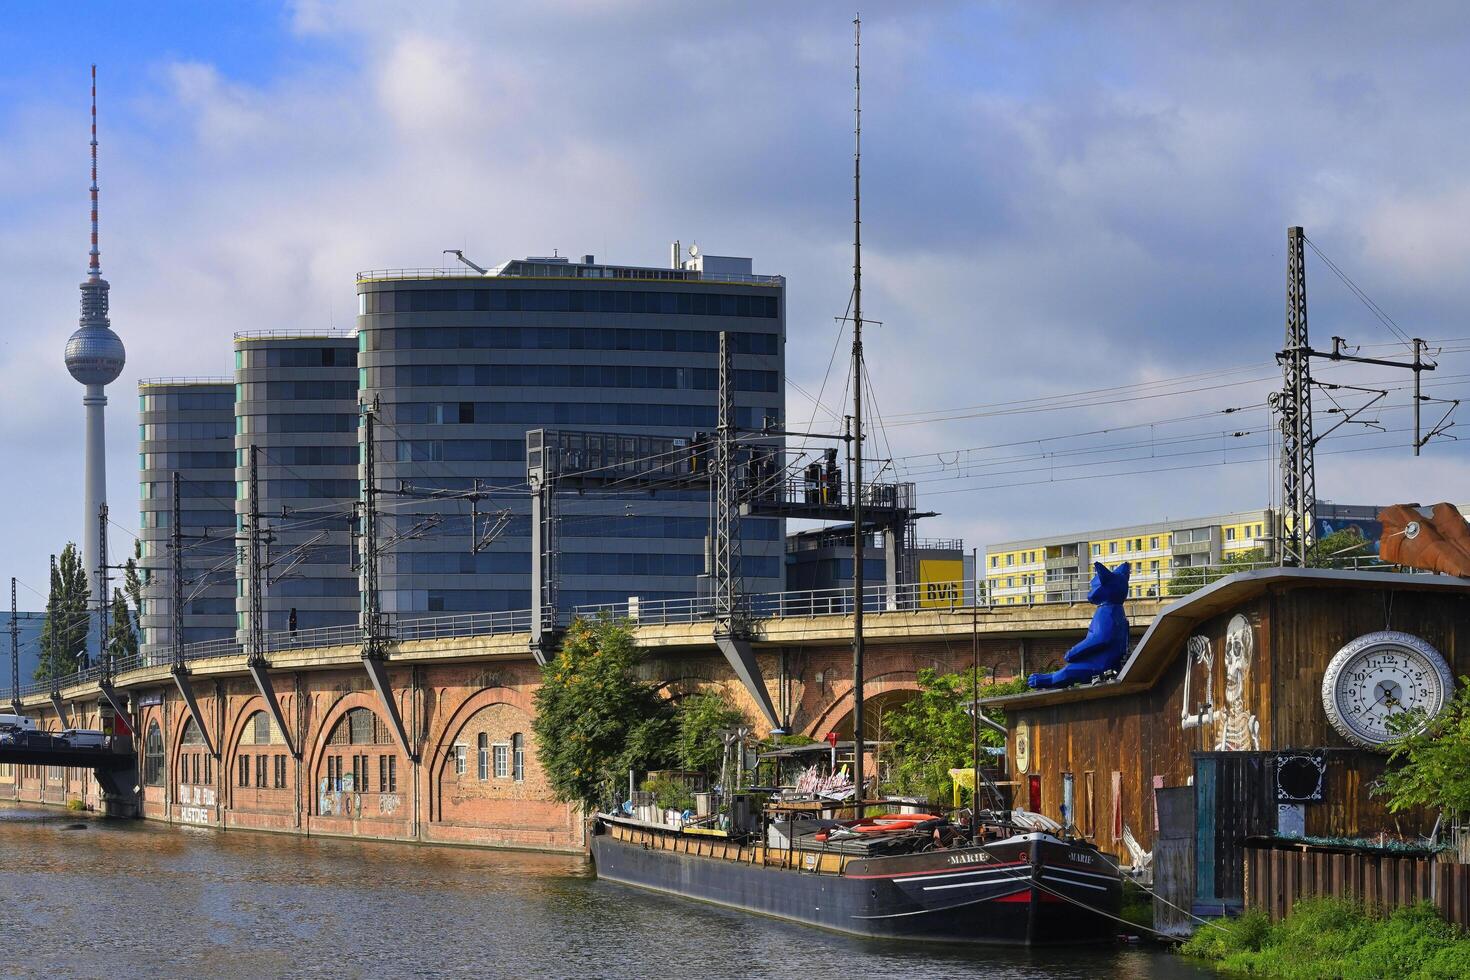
x=1173, y=864
x=1309, y=625
x=1276, y=878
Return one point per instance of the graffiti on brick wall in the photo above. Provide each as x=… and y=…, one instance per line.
x=197, y=796
x=329, y=801
x=194, y=814
x=388, y=803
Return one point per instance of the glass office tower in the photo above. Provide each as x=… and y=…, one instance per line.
x=296, y=402
x=463, y=364
x=188, y=426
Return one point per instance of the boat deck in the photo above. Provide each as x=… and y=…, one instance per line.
x=656, y=837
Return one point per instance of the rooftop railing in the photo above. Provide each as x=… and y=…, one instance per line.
x=574, y=270
x=182, y=380
x=329, y=334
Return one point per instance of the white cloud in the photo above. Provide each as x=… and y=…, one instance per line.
x=1056, y=200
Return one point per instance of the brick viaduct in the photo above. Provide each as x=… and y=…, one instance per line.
x=466, y=703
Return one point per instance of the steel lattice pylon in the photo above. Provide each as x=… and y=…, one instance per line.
x=727, y=564
x=1298, y=480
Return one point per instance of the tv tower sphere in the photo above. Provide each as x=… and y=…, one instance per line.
x=94, y=354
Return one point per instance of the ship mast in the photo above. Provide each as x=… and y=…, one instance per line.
x=857, y=415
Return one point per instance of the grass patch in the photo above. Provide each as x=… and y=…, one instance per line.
x=1335, y=938
x=1138, y=906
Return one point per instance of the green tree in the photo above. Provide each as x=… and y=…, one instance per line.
x=134, y=578
x=699, y=720
x=1193, y=578
x=1340, y=549
x=595, y=719
x=933, y=734
x=64, y=632
x=122, y=637
x=1431, y=767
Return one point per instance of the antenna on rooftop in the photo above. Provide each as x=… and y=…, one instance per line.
x=460, y=255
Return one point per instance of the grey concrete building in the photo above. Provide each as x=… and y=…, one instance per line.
x=296, y=403
x=187, y=425
x=462, y=364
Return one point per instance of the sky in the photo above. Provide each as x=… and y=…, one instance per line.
x=1057, y=198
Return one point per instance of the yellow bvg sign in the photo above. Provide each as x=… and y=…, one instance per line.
x=941, y=583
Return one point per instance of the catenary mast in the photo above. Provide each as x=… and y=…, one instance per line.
x=95, y=357
x=857, y=416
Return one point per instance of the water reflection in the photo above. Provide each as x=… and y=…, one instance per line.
x=126, y=899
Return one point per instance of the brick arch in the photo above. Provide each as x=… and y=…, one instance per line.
x=339, y=708
x=232, y=746
x=175, y=746
x=887, y=670
x=484, y=698
x=841, y=702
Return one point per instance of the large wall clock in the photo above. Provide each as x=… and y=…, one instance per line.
x=1380, y=675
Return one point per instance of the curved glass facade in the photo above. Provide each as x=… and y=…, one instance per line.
x=461, y=369
x=187, y=426
x=296, y=402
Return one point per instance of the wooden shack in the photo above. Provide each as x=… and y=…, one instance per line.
x=1224, y=693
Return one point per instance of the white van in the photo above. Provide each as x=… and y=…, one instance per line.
x=16, y=723
x=81, y=738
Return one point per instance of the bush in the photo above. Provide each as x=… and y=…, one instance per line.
x=1330, y=937
x=1226, y=937
x=75, y=804
x=933, y=734
x=669, y=792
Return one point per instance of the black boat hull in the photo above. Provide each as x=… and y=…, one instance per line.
x=960, y=896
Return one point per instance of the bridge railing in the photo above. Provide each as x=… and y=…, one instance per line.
x=1034, y=586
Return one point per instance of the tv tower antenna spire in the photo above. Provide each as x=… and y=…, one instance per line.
x=95, y=357
x=94, y=264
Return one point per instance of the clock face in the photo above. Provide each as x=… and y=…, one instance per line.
x=1378, y=676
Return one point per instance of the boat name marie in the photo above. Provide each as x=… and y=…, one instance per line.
x=979, y=858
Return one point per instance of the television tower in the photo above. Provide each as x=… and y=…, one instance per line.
x=95, y=357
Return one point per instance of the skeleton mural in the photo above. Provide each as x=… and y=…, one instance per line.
x=1236, y=728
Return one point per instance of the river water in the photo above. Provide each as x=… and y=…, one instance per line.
x=126, y=899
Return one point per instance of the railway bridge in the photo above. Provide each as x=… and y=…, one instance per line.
x=431, y=741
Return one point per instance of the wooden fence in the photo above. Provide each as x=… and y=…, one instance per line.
x=1278, y=874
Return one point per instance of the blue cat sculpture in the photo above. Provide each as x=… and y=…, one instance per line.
x=1106, y=642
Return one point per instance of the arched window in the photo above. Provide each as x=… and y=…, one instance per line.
x=194, y=762
x=261, y=729
x=153, y=756
x=482, y=767
x=353, y=772
x=518, y=756
x=269, y=768
x=360, y=726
